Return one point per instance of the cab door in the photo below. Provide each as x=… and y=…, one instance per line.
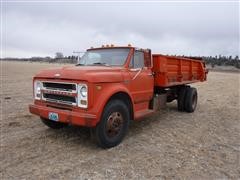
x=141, y=77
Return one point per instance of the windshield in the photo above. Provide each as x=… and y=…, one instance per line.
x=107, y=57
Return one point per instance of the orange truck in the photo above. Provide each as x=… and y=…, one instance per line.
x=110, y=86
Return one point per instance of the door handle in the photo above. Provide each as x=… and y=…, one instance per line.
x=135, y=70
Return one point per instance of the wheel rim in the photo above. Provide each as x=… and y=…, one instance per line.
x=114, y=124
x=194, y=101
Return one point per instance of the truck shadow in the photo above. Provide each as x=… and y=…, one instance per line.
x=160, y=119
x=71, y=135
x=81, y=136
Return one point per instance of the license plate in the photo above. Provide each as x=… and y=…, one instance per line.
x=53, y=116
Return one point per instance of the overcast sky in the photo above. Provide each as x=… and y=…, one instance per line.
x=41, y=29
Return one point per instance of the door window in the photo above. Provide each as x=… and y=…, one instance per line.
x=138, y=60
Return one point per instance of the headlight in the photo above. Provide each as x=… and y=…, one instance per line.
x=82, y=96
x=83, y=91
x=37, y=89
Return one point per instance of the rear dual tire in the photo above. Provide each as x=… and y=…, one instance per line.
x=187, y=99
x=191, y=100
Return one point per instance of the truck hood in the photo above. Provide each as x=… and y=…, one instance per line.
x=84, y=73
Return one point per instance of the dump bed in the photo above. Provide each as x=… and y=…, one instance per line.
x=172, y=70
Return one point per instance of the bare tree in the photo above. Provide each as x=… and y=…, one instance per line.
x=58, y=55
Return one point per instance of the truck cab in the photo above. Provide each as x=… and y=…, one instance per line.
x=109, y=87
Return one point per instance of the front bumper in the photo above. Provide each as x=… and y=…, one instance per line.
x=65, y=116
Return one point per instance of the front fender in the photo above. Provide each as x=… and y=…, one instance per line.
x=103, y=92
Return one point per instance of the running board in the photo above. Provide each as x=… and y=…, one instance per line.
x=143, y=113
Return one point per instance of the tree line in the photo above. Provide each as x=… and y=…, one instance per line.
x=222, y=61
x=219, y=60
x=213, y=61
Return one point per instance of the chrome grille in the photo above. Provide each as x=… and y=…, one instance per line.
x=70, y=87
x=60, y=92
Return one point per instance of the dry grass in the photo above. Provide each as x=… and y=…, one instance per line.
x=170, y=144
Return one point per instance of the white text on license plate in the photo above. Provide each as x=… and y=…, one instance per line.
x=53, y=116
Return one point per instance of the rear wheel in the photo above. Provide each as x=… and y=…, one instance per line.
x=181, y=97
x=113, y=125
x=53, y=124
x=191, y=100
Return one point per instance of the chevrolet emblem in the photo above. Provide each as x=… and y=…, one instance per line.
x=57, y=75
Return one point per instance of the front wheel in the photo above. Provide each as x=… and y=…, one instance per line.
x=113, y=125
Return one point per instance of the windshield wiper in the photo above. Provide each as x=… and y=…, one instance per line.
x=80, y=64
x=100, y=63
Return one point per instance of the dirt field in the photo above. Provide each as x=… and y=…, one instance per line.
x=170, y=144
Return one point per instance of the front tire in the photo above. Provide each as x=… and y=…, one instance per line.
x=53, y=124
x=113, y=125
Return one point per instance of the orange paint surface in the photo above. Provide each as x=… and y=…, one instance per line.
x=105, y=81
